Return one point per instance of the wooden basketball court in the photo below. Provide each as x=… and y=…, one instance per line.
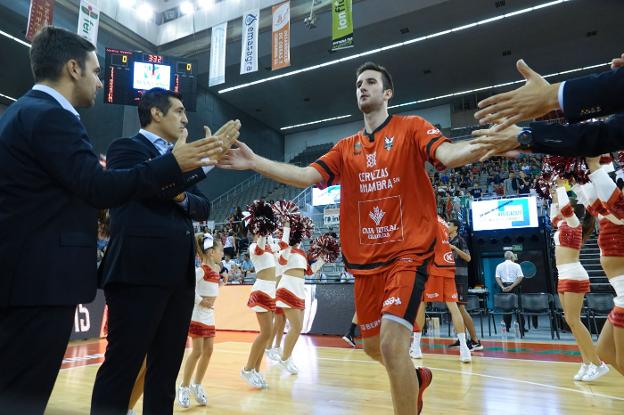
x=506, y=378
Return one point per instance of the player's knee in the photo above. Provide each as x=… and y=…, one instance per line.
x=372, y=350
x=392, y=349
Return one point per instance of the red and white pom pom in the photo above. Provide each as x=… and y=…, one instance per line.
x=261, y=219
x=301, y=228
x=286, y=211
x=569, y=168
x=325, y=247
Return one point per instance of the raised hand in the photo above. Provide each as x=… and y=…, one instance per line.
x=191, y=156
x=617, y=62
x=497, y=143
x=240, y=157
x=535, y=98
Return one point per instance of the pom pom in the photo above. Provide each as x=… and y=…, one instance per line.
x=261, y=219
x=325, y=247
x=300, y=229
x=285, y=210
x=570, y=168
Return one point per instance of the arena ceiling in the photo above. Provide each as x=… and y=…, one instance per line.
x=553, y=39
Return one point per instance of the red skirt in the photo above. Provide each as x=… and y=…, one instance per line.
x=201, y=330
x=611, y=238
x=616, y=317
x=287, y=297
x=573, y=286
x=261, y=299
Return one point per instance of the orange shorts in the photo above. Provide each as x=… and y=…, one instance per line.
x=440, y=289
x=395, y=293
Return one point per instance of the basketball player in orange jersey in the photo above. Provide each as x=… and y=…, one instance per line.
x=441, y=287
x=388, y=219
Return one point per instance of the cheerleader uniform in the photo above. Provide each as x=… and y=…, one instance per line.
x=572, y=277
x=262, y=297
x=280, y=259
x=291, y=290
x=611, y=236
x=203, y=318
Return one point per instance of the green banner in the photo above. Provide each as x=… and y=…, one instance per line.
x=342, y=24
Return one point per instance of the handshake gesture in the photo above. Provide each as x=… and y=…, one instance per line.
x=206, y=151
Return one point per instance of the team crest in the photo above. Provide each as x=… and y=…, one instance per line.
x=388, y=143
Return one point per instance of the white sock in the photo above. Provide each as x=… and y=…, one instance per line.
x=462, y=339
x=417, y=337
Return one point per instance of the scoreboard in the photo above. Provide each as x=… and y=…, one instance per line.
x=128, y=74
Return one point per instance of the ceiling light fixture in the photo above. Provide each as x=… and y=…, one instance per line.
x=187, y=8
x=393, y=46
x=289, y=127
x=145, y=11
x=7, y=97
x=5, y=34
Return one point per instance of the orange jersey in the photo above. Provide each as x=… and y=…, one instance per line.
x=443, y=261
x=387, y=204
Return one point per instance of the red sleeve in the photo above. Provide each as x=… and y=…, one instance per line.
x=330, y=164
x=428, y=138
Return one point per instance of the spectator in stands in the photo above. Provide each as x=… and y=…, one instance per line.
x=510, y=185
x=236, y=274
x=524, y=184
x=228, y=262
x=229, y=248
x=246, y=265
x=332, y=233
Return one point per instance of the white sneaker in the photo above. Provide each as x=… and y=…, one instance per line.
x=595, y=372
x=579, y=375
x=131, y=412
x=464, y=355
x=184, y=398
x=250, y=377
x=261, y=380
x=273, y=354
x=289, y=365
x=199, y=394
x=415, y=352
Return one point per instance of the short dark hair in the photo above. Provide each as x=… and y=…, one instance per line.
x=454, y=222
x=385, y=75
x=52, y=48
x=155, y=97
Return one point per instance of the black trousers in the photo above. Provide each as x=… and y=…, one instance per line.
x=143, y=321
x=507, y=317
x=33, y=341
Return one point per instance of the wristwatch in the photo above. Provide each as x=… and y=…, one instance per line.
x=525, y=138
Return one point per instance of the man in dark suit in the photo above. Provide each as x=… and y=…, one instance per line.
x=580, y=98
x=51, y=183
x=148, y=271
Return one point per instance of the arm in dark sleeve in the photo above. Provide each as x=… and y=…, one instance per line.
x=199, y=205
x=60, y=144
x=594, y=95
x=126, y=154
x=590, y=139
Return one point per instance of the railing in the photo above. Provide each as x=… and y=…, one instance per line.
x=245, y=184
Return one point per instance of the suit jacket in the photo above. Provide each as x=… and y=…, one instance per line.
x=51, y=183
x=594, y=95
x=152, y=239
x=589, y=139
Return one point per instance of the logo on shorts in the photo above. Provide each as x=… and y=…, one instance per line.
x=433, y=131
x=432, y=295
x=392, y=301
x=448, y=257
x=371, y=160
x=454, y=295
x=377, y=215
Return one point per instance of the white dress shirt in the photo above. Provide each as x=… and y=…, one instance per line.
x=508, y=271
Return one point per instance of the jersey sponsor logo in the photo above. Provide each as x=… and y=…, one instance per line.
x=392, y=301
x=357, y=148
x=371, y=160
x=388, y=143
x=449, y=258
x=377, y=215
x=433, y=131
x=370, y=326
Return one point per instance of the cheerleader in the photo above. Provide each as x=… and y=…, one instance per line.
x=572, y=227
x=610, y=345
x=290, y=294
x=202, y=328
x=261, y=221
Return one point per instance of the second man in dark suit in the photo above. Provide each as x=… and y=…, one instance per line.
x=148, y=272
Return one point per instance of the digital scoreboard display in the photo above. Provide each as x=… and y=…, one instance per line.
x=519, y=212
x=128, y=74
